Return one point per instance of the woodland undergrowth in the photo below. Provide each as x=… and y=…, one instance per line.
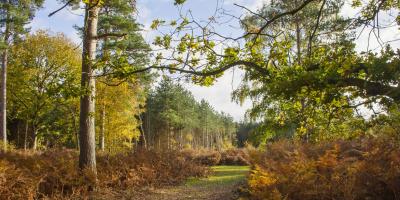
x=365, y=168
x=214, y=157
x=55, y=175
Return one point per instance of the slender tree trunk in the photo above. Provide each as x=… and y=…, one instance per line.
x=87, y=156
x=142, y=138
x=74, y=124
x=102, y=127
x=34, y=137
x=3, y=95
x=298, y=37
x=180, y=139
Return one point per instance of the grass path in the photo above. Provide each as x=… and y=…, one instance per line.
x=221, y=185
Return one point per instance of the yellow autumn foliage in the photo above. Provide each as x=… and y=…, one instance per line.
x=121, y=104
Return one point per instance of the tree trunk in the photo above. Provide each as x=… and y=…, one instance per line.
x=74, y=124
x=3, y=95
x=298, y=37
x=142, y=137
x=102, y=127
x=34, y=138
x=180, y=139
x=87, y=156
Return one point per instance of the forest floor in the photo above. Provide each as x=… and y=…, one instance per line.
x=222, y=184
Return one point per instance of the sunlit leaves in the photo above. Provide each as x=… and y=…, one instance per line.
x=44, y=77
x=179, y=2
x=156, y=23
x=356, y=3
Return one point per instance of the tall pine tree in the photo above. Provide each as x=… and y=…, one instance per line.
x=121, y=50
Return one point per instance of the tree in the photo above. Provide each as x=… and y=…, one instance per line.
x=116, y=23
x=14, y=15
x=44, y=82
x=122, y=48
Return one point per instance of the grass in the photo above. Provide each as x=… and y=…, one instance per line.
x=221, y=176
x=220, y=185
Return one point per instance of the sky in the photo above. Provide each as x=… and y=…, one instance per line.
x=218, y=95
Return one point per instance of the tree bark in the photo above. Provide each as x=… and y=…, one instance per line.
x=3, y=95
x=87, y=156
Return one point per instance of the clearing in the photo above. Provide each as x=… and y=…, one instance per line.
x=222, y=184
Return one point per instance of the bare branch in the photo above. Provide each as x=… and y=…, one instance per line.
x=62, y=7
x=250, y=11
x=276, y=17
x=315, y=28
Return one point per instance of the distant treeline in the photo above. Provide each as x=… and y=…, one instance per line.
x=175, y=120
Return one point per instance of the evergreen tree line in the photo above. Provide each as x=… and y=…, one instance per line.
x=175, y=120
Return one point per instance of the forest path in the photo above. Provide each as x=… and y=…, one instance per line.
x=221, y=185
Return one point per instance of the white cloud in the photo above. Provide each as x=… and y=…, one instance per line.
x=219, y=95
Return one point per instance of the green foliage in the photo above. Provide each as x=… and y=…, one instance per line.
x=14, y=15
x=120, y=55
x=312, y=82
x=172, y=114
x=44, y=77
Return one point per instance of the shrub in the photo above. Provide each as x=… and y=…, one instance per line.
x=203, y=156
x=234, y=157
x=358, y=169
x=212, y=157
x=55, y=174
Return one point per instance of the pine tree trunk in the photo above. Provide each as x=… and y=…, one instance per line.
x=87, y=156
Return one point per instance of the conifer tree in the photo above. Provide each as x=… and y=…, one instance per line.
x=116, y=35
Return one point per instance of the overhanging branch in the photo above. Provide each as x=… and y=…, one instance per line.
x=214, y=72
